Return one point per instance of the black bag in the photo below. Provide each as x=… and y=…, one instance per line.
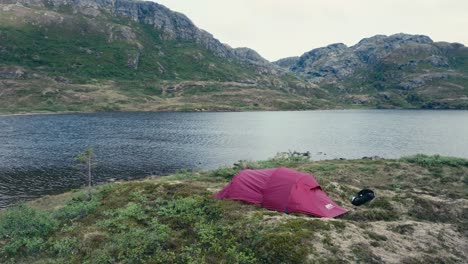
x=363, y=197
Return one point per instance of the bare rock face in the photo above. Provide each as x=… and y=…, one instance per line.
x=403, y=51
x=12, y=72
x=250, y=55
x=333, y=61
x=420, y=80
x=133, y=60
x=438, y=61
x=172, y=25
x=287, y=63
x=371, y=50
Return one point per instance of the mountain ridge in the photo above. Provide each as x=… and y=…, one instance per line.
x=87, y=58
x=126, y=55
x=408, y=68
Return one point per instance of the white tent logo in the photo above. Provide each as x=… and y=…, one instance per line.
x=329, y=206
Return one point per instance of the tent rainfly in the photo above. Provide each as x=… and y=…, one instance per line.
x=282, y=190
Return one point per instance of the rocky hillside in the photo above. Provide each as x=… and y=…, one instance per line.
x=409, y=71
x=418, y=216
x=81, y=55
x=129, y=55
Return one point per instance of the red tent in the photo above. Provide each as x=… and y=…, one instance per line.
x=282, y=190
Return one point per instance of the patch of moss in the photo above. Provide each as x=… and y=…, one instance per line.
x=281, y=248
x=363, y=254
x=404, y=229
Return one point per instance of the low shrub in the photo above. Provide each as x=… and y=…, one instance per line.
x=66, y=246
x=77, y=208
x=99, y=256
x=302, y=228
x=183, y=174
x=436, y=160
x=286, y=159
x=218, y=241
x=187, y=211
x=137, y=244
x=280, y=248
x=371, y=215
x=24, y=230
x=175, y=191
x=246, y=164
x=225, y=173
x=120, y=219
x=288, y=242
x=325, y=167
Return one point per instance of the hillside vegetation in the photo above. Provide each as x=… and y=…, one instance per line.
x=75, y=56
x=128, y=55
x=418, y=216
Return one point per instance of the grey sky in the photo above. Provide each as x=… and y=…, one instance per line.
x=283, y=28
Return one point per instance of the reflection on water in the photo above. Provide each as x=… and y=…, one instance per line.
x=37, y=152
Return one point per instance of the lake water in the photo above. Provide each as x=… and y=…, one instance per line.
x=37, y=151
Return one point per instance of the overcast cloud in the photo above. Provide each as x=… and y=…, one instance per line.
x=283, y=28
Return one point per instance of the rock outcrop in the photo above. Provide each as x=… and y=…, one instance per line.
x=372, y=50
x=140, y=41
x=287, y=63
x=252, y=58
x=378, y=56
x=336, y=60
x=400, y=70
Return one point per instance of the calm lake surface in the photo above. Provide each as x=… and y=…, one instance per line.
x=37, y=151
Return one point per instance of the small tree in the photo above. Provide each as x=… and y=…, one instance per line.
x=86, y=162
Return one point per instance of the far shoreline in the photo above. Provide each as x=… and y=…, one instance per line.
x=221, y=111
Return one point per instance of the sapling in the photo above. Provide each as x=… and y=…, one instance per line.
x=86, y=162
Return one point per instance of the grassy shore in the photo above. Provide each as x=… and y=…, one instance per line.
x=419, y=216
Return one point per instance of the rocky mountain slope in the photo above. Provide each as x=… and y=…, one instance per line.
x=400, y=70
x=80, y=55
x=129, y=55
